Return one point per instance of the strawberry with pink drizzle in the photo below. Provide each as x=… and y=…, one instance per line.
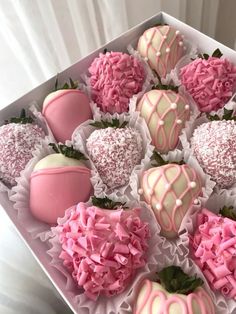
x=103, y=245
x=170, y=190
x=165, y=112
x=162, y=47
x=214, y=249
x=177, y=293
x=18, y=139
x=64, y=109
x=211, y=81
x=114, y=78
x=115, y=150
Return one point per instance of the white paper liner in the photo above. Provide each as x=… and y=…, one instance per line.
x=33, y=112
x=190, y=268
x=214, y=204
x=176, y=245
x=81, y=134
x=185, y=139
x=114, y=304
x=97, y=112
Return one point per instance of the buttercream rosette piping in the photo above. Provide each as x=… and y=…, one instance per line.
x=102, y=248
x=114, y=78
x=214, y=248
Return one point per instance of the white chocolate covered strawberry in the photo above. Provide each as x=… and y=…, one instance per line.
x=162, y=46
x=177, y=294
x=170, y=190
x=165, y=112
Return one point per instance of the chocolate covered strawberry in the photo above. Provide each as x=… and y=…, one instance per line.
x=211, y=81
x=165, y=112
x=103, y=245
x=115, y=150
x=177, y=293
x=170, y=189
x=57, y=182
x=18, y=139
x=214, y=249
x=64, y=109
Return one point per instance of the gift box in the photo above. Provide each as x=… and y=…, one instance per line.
x=38, y=247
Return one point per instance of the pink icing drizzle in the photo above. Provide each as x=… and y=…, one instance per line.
x=167, y=221
x=200, y=296
x=103, y=248
x=171, y=138
x=214, y=247
x=170, y=59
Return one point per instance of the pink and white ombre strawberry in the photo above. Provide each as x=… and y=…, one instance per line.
x=165, y=112
x=65, y=109
x=103, y=245
x=211, y=81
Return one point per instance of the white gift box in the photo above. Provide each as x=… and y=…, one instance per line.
x=203, y=42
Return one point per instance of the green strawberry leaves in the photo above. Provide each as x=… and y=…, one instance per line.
x=70, y=85
x=159, y=161
x=161, y=86
x=174, y=280
x=22, y=119
x=68, y=151
x=216, y=54
x=228, y=115
x=228, y=212
x=107, y=203
x=115, y=123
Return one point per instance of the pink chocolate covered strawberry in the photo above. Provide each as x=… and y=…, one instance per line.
x=214, y=249
x=211, y=81
x=115, y=150
x=65, y=109
x=103, y=245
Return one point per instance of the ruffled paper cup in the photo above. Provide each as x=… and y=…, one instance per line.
x=176, y=246
x=189, y=267
x=21, y=194
x=103, y=304
x=32, y=112
x=185, y=139
x=82, y=133
x=213, y=205
x=97, y=112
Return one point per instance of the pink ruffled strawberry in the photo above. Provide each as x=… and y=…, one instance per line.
x=103, y=245
x=64, y=109
x=214, y=249
x=211, y=81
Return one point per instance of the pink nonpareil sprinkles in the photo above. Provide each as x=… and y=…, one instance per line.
x=115, y=78
x=115, y=152
x=214, y=246
x=210, y=82
x=214, y=145
x=17, y=142
x=103, y=248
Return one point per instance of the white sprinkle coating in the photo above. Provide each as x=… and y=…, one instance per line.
x=214, y=145
x=17, y=142
x=114, y=153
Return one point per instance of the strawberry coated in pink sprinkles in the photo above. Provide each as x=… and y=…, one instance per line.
x=115, y=78
x=210, y=82
x=17, y=142
x=115, y=152
x=214, y=145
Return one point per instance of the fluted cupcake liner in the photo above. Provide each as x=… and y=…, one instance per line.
x=213, y=204
x=114, y=304
x=176, y=246
x=82, y=133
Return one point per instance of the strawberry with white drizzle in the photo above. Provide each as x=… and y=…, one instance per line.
x=64, y=109
x=170, y=190
x=162, y=47
x=177, y=293
x=165, y=112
